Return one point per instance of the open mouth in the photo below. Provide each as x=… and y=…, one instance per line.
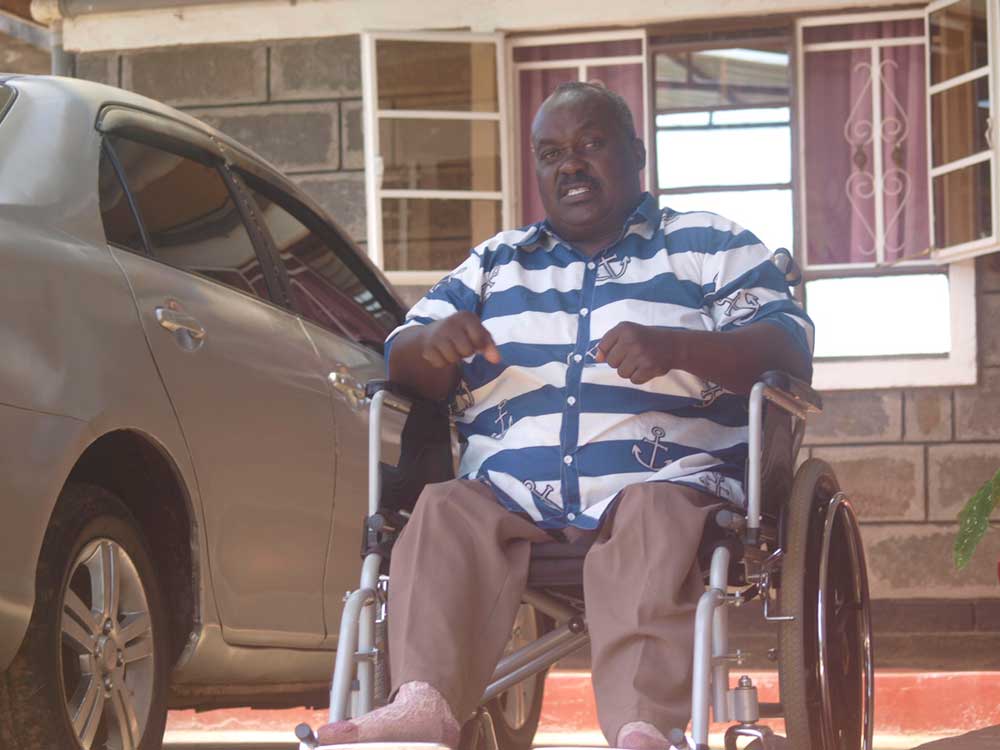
x=576, y=191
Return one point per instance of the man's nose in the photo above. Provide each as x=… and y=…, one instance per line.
x=572, y=164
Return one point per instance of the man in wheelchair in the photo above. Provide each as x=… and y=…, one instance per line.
x=599, y=363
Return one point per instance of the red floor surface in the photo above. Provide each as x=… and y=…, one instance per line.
x=906, y=703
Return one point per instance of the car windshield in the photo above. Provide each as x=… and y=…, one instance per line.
x=6, y=97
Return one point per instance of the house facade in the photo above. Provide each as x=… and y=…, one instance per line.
x=866, y=139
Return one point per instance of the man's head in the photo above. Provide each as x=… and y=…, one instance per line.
x=587, y=160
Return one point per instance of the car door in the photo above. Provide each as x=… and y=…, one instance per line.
x=348, y=317
x=248, y=388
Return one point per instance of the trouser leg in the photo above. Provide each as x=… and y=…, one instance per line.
x=456, y=577
x=641, y=586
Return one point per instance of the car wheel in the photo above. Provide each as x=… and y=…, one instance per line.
x=92, y=669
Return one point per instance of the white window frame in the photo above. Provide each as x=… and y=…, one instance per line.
x=959, y=366
x=581, y=64
x=374, y=193
x=992, y=154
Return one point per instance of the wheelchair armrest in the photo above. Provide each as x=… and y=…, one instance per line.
x=793, y=388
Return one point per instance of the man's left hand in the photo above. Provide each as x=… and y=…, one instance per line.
x=639, y=353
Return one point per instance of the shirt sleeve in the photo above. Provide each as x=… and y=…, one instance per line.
x=742, y=285
x=459, y=290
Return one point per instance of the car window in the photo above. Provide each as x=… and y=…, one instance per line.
x=120, y=225
x=6, y=96
x=323, y=287
x=189, y=215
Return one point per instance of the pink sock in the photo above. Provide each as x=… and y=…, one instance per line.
x=418, y=713
x=641, y=735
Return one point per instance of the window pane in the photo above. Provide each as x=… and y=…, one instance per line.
x=190, y=216
x=863, y=31
x=120, y=227
x=323, y=287
x=434, y=235
x=617, y=48
x=960, y=121
x=440, y=154
x=437, y=75
x=888, y=315
x=723, y=156
x=962, y=205
x=766, y=213
x=737, y=77
x=959, y=39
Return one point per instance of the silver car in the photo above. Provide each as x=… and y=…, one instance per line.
x=185, y=338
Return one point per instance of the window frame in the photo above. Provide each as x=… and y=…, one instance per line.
x=990, y=244
x=959, y=366
x=372, y=114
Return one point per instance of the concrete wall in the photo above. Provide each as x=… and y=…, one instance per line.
x=909, y=458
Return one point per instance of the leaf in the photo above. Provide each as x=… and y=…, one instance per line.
x=974, y=519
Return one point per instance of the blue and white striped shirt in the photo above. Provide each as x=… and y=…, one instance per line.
x=556, y=434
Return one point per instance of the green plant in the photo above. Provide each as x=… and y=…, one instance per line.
x=974, y=519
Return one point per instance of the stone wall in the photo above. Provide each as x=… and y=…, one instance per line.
x=296, y=103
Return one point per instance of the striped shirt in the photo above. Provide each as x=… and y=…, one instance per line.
x=556, y=434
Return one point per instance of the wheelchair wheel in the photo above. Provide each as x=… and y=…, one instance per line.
x=825, y=666
x=515, y=713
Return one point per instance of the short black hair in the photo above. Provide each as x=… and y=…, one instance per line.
x=623, y=115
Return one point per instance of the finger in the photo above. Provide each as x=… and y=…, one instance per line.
x=617, y=354
x=483, y=341
x=627, y=369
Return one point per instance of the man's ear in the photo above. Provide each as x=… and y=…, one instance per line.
x=639, y=149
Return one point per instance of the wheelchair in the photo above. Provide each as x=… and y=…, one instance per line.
x=796, y=547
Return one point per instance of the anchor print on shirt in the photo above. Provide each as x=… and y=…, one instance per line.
x=504, y=420
x=488, y=284
x=740, y=303
x=543, y=496
x=650, y=452
x=609, y=271
x=710, y=393
x=715, y=484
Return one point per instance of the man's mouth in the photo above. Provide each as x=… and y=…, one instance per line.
x=574, y=191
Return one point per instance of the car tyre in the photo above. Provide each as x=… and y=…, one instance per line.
x=92, y=670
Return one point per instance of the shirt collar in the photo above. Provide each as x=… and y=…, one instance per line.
x=644, y=220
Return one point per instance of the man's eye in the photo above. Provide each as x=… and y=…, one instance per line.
x=549, y=154
x=593, y=144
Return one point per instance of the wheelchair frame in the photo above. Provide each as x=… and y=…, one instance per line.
x=711, y=668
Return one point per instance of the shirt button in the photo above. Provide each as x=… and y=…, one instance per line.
x=591, y=266
x=577, y=357
x=567, y=460
x=584, y=311
x=570, y=516
x=571, y=400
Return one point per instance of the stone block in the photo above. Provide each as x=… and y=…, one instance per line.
x=988, y=615
x=988, y=270
x=293, y=137
x=857, y=417
x=198, y=74
x=884, y=482
x=955, y=472
x=100, y=67
x=989, y=330
x=352, y=135
x=17, y=56
x=911, y=561
x=922, y=616
x=928, y=415
x=977, y=408
x=343, y=197
x=316, y=69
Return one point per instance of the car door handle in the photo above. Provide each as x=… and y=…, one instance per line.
x=175, y=321
x=349, y=386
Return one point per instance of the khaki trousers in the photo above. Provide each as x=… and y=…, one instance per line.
x=460, y=566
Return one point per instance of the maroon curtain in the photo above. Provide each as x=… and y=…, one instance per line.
x=840, y=138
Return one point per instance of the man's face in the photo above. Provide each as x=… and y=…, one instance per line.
x=587, y=166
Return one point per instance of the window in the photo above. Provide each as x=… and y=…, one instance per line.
x=886, y=313
x=434, y=149
x=723, y=132
x=540, y=64
x=189, y=216
x=120, y=226
x=962, y=36
x=323, y=287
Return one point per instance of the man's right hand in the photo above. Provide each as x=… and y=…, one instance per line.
x=452, y=339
